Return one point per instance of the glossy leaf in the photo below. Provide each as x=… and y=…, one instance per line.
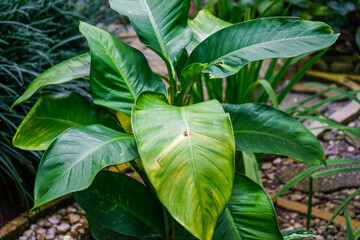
x=118, y=72
x=188, y=155
x=297, y=234
x=73, y=68
x=202, y=26
x=122, y=204
x=100, y=232
x=228, y=50
x=72, y=161
x=250, y=214
x=161, y=25
x=52, y=114
x=260, y=128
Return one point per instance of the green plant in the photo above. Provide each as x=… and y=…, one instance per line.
x=185, y=154
x=34, y=35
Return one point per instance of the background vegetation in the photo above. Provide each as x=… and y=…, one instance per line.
x=34, y=35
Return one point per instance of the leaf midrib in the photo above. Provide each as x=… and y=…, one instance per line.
x=156, y=30
x=58, y=120
x=250, y=46
x=267, y=134
x=193, y=165
x=232, y=223
x=81, y=158
x=131, y=89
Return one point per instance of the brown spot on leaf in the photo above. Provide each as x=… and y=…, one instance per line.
x=187, y=133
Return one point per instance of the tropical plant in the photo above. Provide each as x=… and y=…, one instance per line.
x=34, y=35
x=185, y=154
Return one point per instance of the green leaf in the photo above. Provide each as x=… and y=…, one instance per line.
x=100, y=232
x=122, y=204
x=118, y=72
x=308, y=171
x=251, y=167
x=188, y=155
x=74, y=158
x=228, y=50
x=331, y=124
x=73, y=68
x=202, y=26
x=250, y=214
x=270, y=91
x=52, y=114
x=260, y=128
x=297, y=234
x=349, y=228
x=343, y=205
x=160, y=25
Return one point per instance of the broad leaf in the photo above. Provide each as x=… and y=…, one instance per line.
x=228, y=50
x=249, y=215
x=122, y=204
x=118, y=72
x=260, y=128
x=202, y=26
x=73, y=68
x=188, y=155
x=161, y=25
x=100, y=232
x=72, y=161
x=52, y=114
x=297, y=234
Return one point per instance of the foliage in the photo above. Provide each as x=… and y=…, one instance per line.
x=333, y=12
x=34, y=35
x=316, y=172
x=184, y=153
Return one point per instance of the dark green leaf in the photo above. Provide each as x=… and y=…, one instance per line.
x=73, y=68
x=228, y=50
x=188, y=155
x=118, y=72
x=122, y=204
x=260, y=128
x=161, y=25
x=100, y=232
x=52, y=114
x=250, y=214
x=202, y=26
x=72, y=161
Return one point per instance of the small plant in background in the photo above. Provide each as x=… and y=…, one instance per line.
x=184, y=153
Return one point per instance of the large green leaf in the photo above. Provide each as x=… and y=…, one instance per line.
x=73, y=68
x=260, y=128
x=161, y=25
x=202, y=26
x=228, y=50
x=52, y=114
x=188, y=155
x=118, y=72
x=122, y=204
x=100, y=232
x=250, y=214
x=74, y=158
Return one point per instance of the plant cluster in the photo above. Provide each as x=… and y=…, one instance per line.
x=184, y=152
x=34, y=35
